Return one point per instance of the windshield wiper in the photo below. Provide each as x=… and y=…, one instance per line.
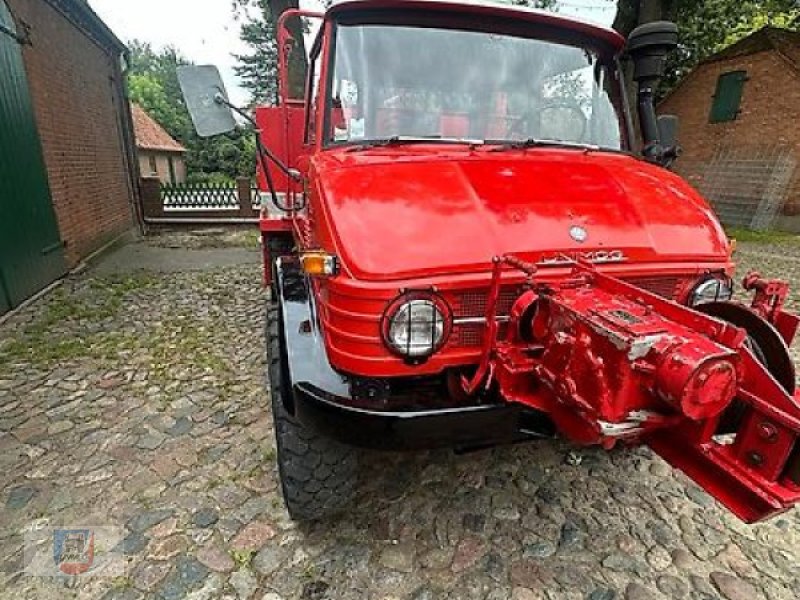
x=397, y=140
x=537, y=143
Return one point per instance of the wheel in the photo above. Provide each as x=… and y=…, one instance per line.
x=277, y=245
x=767, y=346
x=318, y=475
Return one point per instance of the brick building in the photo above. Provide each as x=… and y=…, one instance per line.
x=70, y=180
x=159, y=154
x=740, y=128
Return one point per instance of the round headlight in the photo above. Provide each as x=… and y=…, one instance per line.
x=713, y=289
x=416, y=328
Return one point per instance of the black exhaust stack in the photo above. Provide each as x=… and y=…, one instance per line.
x=648, y=47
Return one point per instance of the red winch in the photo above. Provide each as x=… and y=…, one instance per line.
x=611, y=362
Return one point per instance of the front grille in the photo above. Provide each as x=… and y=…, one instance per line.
x=472, y=303
x=666, y=287
x=469, y=335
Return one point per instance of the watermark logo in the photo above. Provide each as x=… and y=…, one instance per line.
x=74, y=551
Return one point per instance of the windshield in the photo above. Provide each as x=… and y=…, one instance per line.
x=391, y=81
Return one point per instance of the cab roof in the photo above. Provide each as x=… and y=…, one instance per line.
x=483, y=9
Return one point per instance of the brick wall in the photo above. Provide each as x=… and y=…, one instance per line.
x=74, y=83
x=770, y=113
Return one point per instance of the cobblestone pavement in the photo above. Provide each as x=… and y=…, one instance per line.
x=137, y=399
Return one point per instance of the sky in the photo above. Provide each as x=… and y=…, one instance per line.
x=206, y=31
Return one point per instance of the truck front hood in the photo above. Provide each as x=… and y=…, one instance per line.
x=398, y=214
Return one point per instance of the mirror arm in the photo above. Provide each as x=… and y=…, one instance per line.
x=264, y=154
x=293, y=174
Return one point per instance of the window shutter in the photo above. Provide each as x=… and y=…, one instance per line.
x=728, y=97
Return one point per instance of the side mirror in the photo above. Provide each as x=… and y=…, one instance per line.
x=668, y=130
x=206, y=100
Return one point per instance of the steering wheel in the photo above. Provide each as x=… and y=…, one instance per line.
x=558, y=119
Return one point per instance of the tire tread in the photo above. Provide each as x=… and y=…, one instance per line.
x=318, y=474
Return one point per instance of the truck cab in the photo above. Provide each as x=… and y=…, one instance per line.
x=469, y=242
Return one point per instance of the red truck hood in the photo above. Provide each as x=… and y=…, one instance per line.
x=399, y=213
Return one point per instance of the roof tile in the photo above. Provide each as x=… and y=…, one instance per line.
x=150, y=135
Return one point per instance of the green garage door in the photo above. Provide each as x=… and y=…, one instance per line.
x=31, y=251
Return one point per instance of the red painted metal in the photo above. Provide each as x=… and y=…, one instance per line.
x=611, y=362
x=572, y=328
x=769, y=299
x=770, y=294
x=286, y=43
x=475, y=204
x=282, y=132
x=282, y=129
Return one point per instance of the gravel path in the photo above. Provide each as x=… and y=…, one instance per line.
x=136, y=399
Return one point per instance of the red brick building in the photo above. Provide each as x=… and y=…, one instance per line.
x=71, y=184
x=740, y=124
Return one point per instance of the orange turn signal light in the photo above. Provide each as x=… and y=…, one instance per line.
x=319, y=264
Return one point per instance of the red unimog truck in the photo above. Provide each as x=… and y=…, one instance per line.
x=467, y=246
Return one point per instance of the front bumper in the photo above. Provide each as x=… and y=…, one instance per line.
x=322, y=398
x=460, y=428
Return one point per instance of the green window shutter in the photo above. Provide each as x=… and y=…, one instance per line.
x=728, y=97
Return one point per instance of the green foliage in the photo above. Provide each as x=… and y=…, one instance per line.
x=258, y=69
x=153, y=84
x=210, y=178
x=148, y=93
x=44, y=342
x=709, y=26
x=762, y=237
x=749, y=23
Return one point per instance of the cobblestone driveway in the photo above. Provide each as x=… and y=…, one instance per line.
x=137, y=399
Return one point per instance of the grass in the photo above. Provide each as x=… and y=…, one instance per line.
x=121, y=583
x=55, y=334
x=252, y=240
x=242, y=558
x=762, y=237
x=310, y=572
x=70, y=327
x=179, y=339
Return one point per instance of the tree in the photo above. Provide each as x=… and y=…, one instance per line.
x=258, y=69
x=754, y=22
x=153, y=84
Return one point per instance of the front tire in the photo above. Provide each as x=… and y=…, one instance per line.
x=318, y=475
